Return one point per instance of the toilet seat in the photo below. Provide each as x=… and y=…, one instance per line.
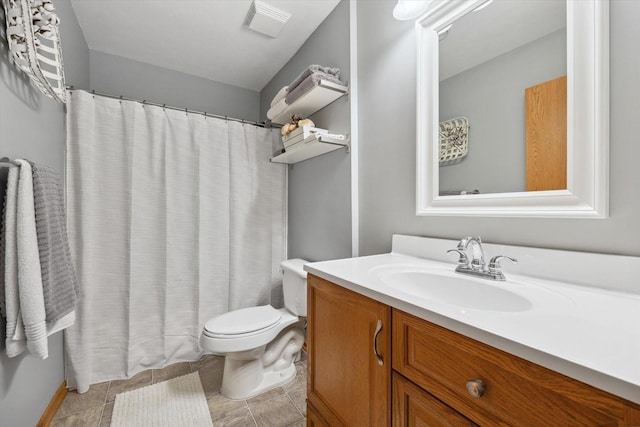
x=243, y=322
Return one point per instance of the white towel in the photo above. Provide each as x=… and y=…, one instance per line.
x=277, y=109
x=29, y=275
x=12, y=293
x=282, y=93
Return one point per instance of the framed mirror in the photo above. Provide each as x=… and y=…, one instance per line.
x=513, y=108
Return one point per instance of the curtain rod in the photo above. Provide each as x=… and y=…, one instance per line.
x=186, y=110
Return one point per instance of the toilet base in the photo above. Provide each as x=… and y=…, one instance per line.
x=271, y=379
x=250, y=373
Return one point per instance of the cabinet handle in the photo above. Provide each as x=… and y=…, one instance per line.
x=476, y=388
x=375, y=343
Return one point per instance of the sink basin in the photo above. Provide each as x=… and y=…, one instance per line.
x=455, y=289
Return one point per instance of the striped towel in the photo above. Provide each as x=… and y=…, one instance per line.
x=59, y=280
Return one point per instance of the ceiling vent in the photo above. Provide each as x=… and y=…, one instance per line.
x=266, y=19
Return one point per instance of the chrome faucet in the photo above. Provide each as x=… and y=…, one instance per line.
x=478, y=267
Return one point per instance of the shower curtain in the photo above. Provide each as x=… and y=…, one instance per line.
x=173, y=218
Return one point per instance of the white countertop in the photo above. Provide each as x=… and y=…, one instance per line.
x=587, y=333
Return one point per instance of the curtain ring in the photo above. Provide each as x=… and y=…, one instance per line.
x=163, y=106
x=120, y=99
x=205, y=115
x=144, y=101
x=186, y=111
x=93, y=93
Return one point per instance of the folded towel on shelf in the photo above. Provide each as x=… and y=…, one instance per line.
x=12, y=291
x=29, y=273
x=282, y=93
x=334, y=72
x=277, y=109
x=309, y=83
x=59, y=280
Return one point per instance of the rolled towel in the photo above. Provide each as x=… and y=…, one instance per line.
x=277, y=109
x=282, y=93
x=335, y=72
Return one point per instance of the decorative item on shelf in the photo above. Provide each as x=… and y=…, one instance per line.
x=454, y=140
x=299, y=129
x=34, y=44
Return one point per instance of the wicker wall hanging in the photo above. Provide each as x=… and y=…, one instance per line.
x=454, y=140
x=34, y=44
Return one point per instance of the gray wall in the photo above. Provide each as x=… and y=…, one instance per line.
x=320, y=188
x=116, y=75
x=387, y=88
x=32, y=127
x=491, y=96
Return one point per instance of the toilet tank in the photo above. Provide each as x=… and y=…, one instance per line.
x=294, y=286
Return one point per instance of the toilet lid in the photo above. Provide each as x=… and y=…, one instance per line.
x=243, y=321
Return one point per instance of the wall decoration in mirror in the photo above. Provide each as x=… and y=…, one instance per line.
x=533, y=80
x=454, y=140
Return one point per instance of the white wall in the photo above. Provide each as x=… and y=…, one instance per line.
x=387, y=88
x=32, y=127
x=115, y=75
x=320, y=188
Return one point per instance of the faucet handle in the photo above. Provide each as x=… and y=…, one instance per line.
x=462, y=260
x=494, y=263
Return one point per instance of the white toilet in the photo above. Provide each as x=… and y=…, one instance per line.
x=260, y=343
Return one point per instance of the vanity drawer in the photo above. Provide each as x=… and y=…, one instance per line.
x=517, y=392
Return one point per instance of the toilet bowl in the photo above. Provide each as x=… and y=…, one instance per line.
x=261, y=343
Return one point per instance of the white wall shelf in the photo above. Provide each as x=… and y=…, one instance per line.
x=317, y=98
x=313, y=146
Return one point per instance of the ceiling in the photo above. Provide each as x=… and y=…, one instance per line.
x=205, y=38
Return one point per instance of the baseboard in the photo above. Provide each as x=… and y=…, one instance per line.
x=54, y=405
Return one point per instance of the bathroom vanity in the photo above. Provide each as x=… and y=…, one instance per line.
x=382, y=353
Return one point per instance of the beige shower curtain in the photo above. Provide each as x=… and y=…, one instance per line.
x=173, y=218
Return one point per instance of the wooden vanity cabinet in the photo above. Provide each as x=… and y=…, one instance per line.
x=346, y=384
x=515, y=393
x=436, y=373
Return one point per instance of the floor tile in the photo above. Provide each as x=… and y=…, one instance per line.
x=240, y=420
x=211, y=383
x=300, y=379
x=120, y=386
x=208, y=363
x=277, y=412
x=299, y=398
x=265, y=396
x=171, y=371
x=282, y=407
x=221, y=407
x=75, y=402
x=105, y=421
x=87, y=418
x=301, y=423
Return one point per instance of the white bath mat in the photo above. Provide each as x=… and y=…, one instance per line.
x=179, y=402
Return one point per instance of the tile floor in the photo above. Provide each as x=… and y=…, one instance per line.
x=282, y=407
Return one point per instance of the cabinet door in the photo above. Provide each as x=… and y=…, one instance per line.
x=314, y=419
x=413, y=406
x=348, y=383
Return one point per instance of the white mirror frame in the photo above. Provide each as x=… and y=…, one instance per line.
x=587, y=193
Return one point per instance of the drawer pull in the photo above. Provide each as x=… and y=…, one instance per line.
x=476, y=388
x=375, y=342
